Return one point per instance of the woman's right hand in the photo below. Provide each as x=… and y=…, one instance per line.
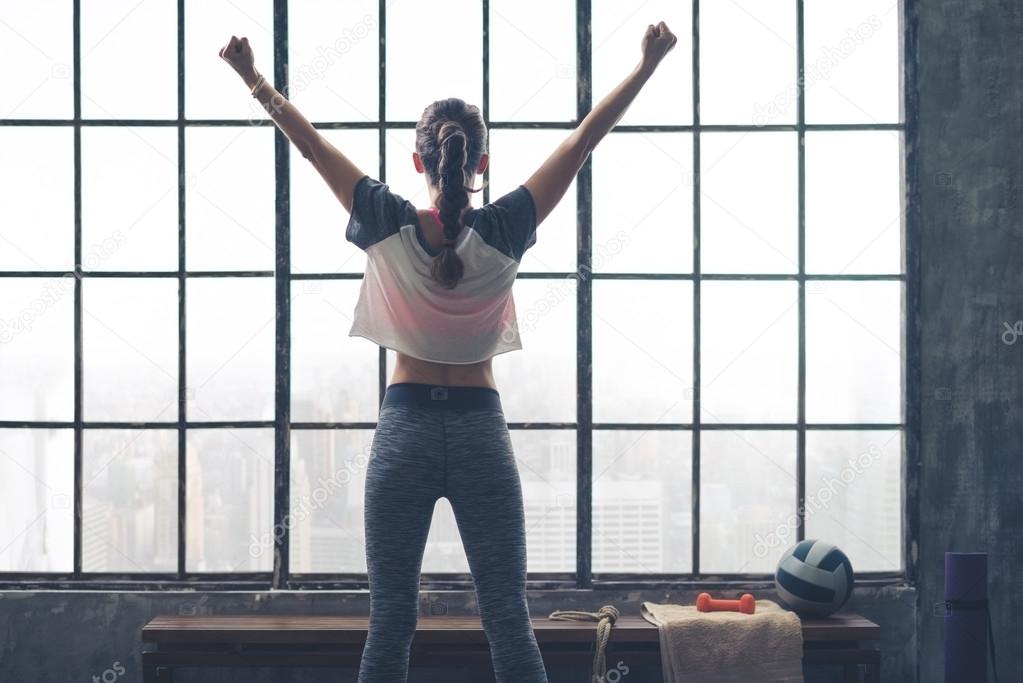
x=657, y=42
x=238, y=54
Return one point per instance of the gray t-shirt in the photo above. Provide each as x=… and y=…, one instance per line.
x=401, y=306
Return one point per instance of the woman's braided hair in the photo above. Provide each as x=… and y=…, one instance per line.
x=451, y=139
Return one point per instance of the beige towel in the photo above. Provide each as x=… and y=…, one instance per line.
x=728, y=647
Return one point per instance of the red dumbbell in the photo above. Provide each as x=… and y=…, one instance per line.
x=745, y=604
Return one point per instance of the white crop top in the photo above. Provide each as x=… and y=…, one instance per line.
x=401, y=306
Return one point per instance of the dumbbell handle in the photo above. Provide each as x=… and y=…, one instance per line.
x=745, y=604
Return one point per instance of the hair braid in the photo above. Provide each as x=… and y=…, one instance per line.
x=450, y=140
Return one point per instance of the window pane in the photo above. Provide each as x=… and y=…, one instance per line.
x=749, y=199
x=130, y=500
x=514, y=156
x=37, y=348
x=333, y=59
x=444, y=553
x=37, y=193
x=642, y=351
x=537, y=382
x=129, y=60
x=455, y=56
x=37, y=486
x=618, y=29
x=129, y=199
x=328, y=482
x=643, y=222
x=642, y=501
x=334, y=377
x=390, y=359
x=546, y=462
x=213, y=90
x=532, y=61
x=318, y=220
x=853, y=351
x=402, y=176
x=36, y=36
x=230, y=500
x=229, y=203
x=852, y=61
x=749, y=351
x=130, y=349
x=853, y=202
x=748, y=62
x=747, y=495
x=230, y=328
x=854, y=495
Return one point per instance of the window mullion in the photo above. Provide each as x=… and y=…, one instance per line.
x=695, y=483
x=182, y=293
x=76, y=31
x=801, y=219
x=282, y=353
x=486, y=93
x=382, y=154
x=584, y=313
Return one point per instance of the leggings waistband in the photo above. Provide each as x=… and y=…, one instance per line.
x=441, y=396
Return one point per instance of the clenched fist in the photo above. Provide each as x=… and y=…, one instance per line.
x=657, y=42
x=238, y=54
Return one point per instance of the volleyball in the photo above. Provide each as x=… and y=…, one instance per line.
x=814, y=578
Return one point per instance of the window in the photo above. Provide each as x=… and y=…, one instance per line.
x=713, y=318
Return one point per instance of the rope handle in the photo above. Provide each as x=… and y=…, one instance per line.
x=605, y=617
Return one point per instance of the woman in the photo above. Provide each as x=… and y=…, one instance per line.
x=437, y=290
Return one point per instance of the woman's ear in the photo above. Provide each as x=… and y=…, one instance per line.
x=418, y=163
x=484, y=160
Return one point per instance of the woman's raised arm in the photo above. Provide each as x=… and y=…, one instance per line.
x=340, y=173
x=549, y=183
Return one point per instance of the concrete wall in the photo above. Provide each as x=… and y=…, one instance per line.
x=970, y=164
x=969, y=161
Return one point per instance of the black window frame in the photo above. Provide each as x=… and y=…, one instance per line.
x=583, y=577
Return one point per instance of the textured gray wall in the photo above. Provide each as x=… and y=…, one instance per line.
x=970, y=158
x=969, y=162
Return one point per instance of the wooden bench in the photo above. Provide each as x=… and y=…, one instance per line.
x=848, y=640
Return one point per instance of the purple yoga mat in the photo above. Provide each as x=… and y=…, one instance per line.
x=966, y=617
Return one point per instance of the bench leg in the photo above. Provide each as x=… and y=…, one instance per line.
x=851, y=673
x=872, y=673
x=165, y=674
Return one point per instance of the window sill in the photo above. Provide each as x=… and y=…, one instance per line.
x=314, y=584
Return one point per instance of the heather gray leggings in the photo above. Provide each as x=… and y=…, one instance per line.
x=434, y=441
